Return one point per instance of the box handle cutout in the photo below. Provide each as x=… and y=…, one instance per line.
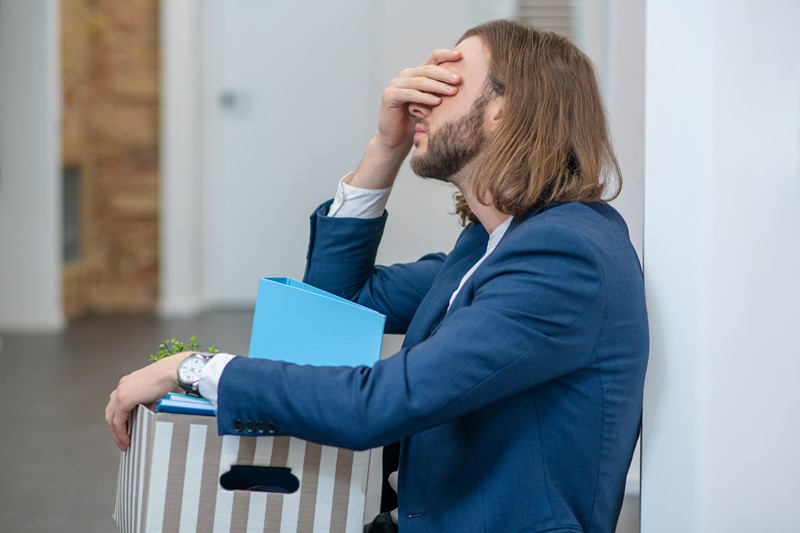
x=277, y=479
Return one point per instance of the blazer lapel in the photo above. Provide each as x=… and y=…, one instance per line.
x=469, y=248
x=434, y=307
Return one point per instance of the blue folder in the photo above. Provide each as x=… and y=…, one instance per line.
x=184, y=405
x=301, y=324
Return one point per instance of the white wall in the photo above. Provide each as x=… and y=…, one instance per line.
x=30, y=185
x=182, y=264
x=302, y=116
x=612, y=35
x=623, y=88
x=722, y=256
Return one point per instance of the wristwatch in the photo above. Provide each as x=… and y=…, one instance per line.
x=189, y=372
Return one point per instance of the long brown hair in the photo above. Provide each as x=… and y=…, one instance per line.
x=552, y=144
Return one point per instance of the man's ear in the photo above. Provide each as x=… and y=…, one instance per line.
x=495, y=110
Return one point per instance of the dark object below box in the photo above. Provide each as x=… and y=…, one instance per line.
x=382, y=524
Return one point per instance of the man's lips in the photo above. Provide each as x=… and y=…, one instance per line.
x=419, y=130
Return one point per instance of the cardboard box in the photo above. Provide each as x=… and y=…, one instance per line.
x=175, y=476
x=169, y=480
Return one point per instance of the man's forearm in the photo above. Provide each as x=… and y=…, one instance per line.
x=379, y=166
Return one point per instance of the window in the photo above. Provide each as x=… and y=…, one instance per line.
x=563, y=17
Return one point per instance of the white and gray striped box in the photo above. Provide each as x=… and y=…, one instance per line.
x=169, y=481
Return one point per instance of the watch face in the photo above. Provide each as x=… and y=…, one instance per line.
x=190, y=368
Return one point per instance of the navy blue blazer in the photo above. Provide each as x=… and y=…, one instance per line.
x=517, y=409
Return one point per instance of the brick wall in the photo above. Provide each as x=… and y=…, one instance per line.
x=110, y=62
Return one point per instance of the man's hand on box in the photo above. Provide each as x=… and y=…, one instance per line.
x=144, y=386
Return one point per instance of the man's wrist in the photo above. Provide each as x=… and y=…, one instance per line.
x=387, y=152
x=379, y=166
x=189, y=369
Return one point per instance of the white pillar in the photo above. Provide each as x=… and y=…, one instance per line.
x=30, y=167
x=624, y=96
x=721, y=429
x=183, y=215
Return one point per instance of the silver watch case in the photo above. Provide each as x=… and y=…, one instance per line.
x=189, y=372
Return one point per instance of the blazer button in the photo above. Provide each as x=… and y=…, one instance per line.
x=238, y=426
x=250, y=426
x=272, y=427
x=261, y=427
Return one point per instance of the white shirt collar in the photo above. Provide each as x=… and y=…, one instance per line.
x=497, y=234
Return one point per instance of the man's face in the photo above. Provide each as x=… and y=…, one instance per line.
x=454, y=144
x=452, y=134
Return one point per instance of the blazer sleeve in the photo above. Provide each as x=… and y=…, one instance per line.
x=341, y=260
x=534, y=313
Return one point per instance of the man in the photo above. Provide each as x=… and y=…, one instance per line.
x=516, y=397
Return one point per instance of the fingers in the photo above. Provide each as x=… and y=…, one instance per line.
x=442, y=55
x=394, y=97
x=120, y=431
x=117, y=421
x=425, y=85
x=433, y=72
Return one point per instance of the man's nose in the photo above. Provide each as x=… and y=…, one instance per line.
x=419, y=111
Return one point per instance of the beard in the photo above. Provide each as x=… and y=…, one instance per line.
x=454, y=145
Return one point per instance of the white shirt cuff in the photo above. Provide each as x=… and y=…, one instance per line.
x=355, y=202
x=210, y=376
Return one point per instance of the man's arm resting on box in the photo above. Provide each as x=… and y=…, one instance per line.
x=377, y=170
x=150, y=383
x=542, y=327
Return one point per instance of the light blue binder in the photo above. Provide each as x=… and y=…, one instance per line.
x=301, y=324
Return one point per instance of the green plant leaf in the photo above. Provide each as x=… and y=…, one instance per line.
x=172, y=346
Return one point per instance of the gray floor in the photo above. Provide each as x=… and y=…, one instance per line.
x=59, y=466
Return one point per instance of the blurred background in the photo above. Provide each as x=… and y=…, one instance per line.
x=157, y=157
x=194, y=139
